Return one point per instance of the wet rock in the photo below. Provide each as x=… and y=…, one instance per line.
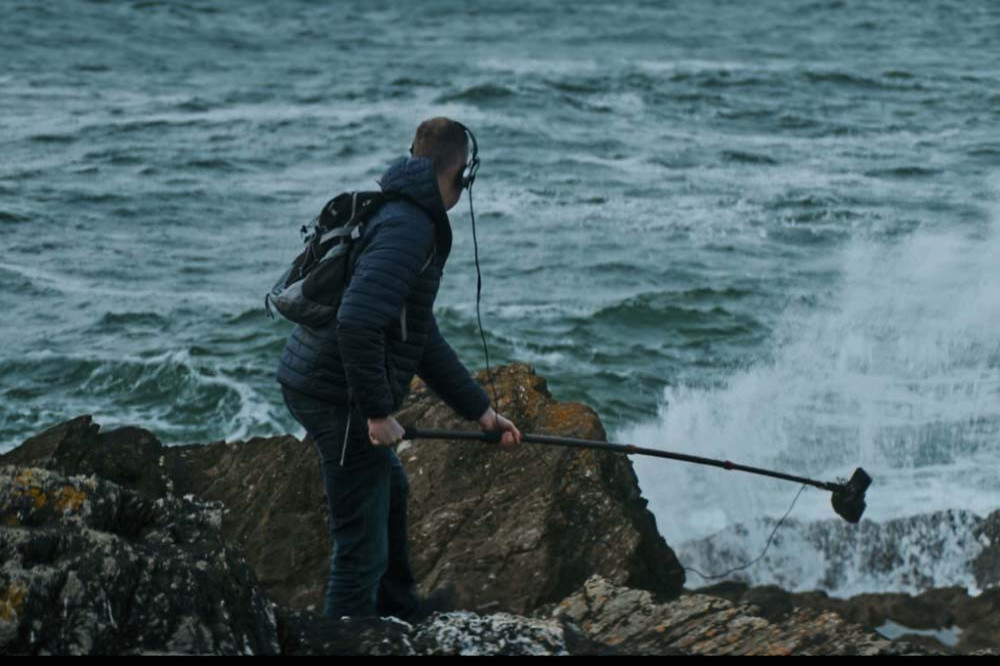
x=979, y=618
x=942, y=609
x=517, y=530
x=90, y=567
x=446, y=634
x=698, y=624
x=986, y=566
x=513, y=530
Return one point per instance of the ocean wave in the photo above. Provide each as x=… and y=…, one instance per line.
x=10, y=217
x=580, y=85
x=21, y=284
x=91, y=68
x=992, y=153
x=54, y=138
x=724, y=79
x=743, y=157
x=115, y=157
x=192, y=398
x=483, y=93
x=213, y=164
x=897, y=81
x=901, y=172
x=699, y=314
x=116, y=321
x=74, y=284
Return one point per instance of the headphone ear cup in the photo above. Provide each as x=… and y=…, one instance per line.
x=470, y=176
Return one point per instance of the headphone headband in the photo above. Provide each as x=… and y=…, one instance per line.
x=469, y=177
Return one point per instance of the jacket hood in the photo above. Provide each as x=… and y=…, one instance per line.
x=414, y=177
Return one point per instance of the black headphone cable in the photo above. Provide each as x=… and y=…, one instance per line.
x=479, y=291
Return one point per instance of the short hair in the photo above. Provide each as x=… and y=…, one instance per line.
x=443, y=141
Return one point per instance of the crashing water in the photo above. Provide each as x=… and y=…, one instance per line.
x=897, y=372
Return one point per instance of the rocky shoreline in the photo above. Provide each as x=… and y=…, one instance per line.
x=114, y=544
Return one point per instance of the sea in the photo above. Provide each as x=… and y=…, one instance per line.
x=763, y=231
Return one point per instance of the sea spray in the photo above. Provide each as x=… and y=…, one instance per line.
x=898, y=372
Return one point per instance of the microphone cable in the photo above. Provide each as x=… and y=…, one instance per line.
x=761, y=556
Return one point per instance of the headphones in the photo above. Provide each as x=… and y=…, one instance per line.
x=469, y=174
x=466, y=177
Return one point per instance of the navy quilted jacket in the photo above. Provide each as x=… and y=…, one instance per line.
x=385, y=330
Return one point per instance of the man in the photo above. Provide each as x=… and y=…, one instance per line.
x=343, y=382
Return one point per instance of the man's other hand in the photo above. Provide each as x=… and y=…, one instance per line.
x=385, y=432
x=511, y=436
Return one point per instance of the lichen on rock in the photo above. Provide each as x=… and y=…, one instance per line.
x=94, y=568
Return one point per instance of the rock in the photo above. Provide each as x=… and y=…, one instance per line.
x=977, y=617
x=131, y=457
x=928, y=643
x=986, y=566
x=310, y=634
x=90, y=567
x=500, y=634
x=275, y=509
x=513, y=531
x=518, y=530
x=271, y=488
x=698, y=624
x=447, y=634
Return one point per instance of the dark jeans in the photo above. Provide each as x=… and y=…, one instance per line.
x=370, y=568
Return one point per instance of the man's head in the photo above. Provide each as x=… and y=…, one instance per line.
x=446, y=144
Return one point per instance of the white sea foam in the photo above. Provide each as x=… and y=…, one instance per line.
x=899, y=373
x=906, y=555
x=255, y=414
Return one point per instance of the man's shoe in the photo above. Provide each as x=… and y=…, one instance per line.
x=442, y=600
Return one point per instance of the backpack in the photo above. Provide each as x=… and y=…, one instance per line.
x=310, y=290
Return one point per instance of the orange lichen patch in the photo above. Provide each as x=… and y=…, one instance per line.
x=25, y=477
x=69, y=498
x=12, y=601
x=11, y=521
x=573, y=420
x=37, y=495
